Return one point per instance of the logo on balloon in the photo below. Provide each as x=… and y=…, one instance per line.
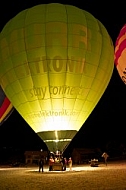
x=54, y=91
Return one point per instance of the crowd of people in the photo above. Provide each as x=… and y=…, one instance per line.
x=57, y=160
x=64, y=163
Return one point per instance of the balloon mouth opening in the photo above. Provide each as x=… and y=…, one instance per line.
x=57, y=141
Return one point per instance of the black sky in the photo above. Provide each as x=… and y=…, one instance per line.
x=107, y=121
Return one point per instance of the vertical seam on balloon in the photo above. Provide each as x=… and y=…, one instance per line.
x=26, y=52
x=45, y=21
x=66, y=58
x=67, y=55
x=83, y=11
x=46, y=6
x=66, y=70
x=46, y=44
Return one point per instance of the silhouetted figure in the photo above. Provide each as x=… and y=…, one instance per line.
x=105, y=156
x=64, y=164
x=40, y=165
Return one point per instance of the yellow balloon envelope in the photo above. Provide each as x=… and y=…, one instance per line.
x=56, y=62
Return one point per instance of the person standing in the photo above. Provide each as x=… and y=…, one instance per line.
x=51, y=162
x=105, y=156
x=70, y=163
x=40, y=165
x=64, y=164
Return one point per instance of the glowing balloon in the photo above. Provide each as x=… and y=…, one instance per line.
x=56, y=62
x=120, y=54
x=6, y=107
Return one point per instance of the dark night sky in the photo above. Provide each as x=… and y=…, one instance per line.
x=107, y=121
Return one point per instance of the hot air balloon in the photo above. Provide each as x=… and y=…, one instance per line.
x=120, y=54
x=56, y=62
x=6, y=107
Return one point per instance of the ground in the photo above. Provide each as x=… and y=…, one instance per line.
x=82, y=177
